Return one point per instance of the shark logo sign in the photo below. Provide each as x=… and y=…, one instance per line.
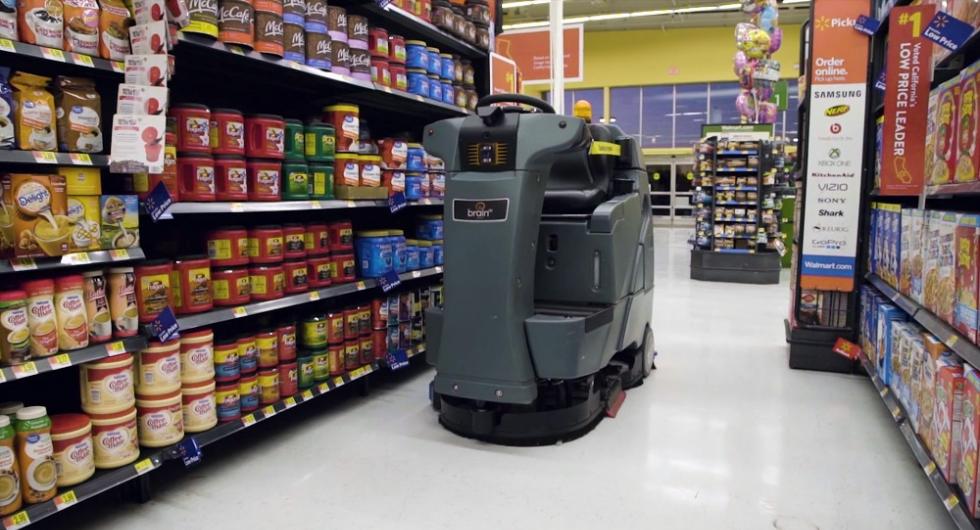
x=480, y=210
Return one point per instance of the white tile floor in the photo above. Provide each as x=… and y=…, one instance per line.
x=724, y=435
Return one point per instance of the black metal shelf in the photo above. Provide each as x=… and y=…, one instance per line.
x=947, y=494
x=75, y=259
x=953, y=188
x=51, y=157
x=231, y=313
x=397, y=20
x=185, y=208
x=953, y=339
x=203, y=53
x=72, y=358
x=59, y=56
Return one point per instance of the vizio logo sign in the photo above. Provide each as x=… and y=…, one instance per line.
x=832, y=186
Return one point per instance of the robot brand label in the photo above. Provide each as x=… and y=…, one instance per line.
x=486, y=210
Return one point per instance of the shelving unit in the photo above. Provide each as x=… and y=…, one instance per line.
x=72, y=358
x=26, y=50
x=191, y=208
x=53, y=158
x=70, y=261
x=743, y=260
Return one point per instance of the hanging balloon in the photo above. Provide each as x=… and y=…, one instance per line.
x=745, y=75
x=757, y=45
x=767, y=112
x=739, y=61
x=768, y=18
x=763, y=90
x=742, y=30
x=749, y=6
x=745, y=104
x=775, y=39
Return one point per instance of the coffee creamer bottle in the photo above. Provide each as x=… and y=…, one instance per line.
x=10, y=499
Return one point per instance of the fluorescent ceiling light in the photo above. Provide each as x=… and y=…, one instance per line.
x=633, y=14
x=524, y=3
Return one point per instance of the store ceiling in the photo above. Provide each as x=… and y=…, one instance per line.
x=792, y=13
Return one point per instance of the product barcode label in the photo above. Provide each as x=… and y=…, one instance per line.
x=80, y=159
x=248, y=420
x=361, y=286
x=53, y=54
x=239, y=311
x=65, y=500
x=236, y=207
x=307, y=395
x=929, y=468
x=45, y=157
x=7, y=45
x=118, y=66
x=416, y=274
x=115, y=348
x=338, y=381
x=314, y=296
x=118, y=254
x=62, y=360
x=77, y=258
x=82, y=59
x=143, y=466
x=17, y=520
x=24, y=370
x=290, y=402
x=269, y=411
x=23, y=264
x=316, y=205
x=951, y=502
x=323, y=388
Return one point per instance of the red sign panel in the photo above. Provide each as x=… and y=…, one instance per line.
x=503, y=75
x=908, y=66
x=531, y=50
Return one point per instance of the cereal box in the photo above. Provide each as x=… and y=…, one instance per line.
x=944, y=141
x=905, y=257
x=930, y=273
x=930, y=150
x=39, y=205
x=947, y=417
x=968, y=119
x=919, y=357
x=946, y=296
x=965, y=317
x=887, y=316
x=915, y=253
x=966, y=471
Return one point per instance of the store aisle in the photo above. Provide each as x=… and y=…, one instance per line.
x=723, y=435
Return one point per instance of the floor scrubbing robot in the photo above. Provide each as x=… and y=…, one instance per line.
x=549, y=273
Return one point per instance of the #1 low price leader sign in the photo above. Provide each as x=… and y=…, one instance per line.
x=909, y=57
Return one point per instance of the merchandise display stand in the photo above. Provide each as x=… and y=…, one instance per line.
x=735, y=219
x=226, y=76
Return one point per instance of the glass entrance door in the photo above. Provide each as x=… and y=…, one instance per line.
x=671, y=187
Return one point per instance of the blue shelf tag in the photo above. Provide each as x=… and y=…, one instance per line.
x=383, y=3
x=397, y=359
x=880, y=82
x=396, y=201
x=389, y=281
x=948, y=31
x=158, y=201
x=867, y=25
x=189, y=451
x=165, y=326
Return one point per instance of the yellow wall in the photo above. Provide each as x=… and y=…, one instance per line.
x=654, y=57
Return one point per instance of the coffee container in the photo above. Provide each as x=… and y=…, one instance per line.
x=269, y=27
x=318, y=49
x=294, y=42
x=203, y=16
x=236, y=22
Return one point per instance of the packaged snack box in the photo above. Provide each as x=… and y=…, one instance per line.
x=39, y=205
x=120, y=221
x=965, y=317
x=946, y=296
x=944, y=148
x=968, y=119
x=83, y=214
x=947, y=417
x=966, y=471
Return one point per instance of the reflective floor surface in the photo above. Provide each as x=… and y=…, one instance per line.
x=723, y=435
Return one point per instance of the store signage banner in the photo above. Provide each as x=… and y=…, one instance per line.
x=906, y=101
x=948, y=31
x=838, y=93
x=531, y=50
x=503, y=75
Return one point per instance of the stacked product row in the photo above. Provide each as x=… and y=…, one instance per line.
x=188, y=385
x=34, y=117
x=81, y=26
x=327, y=37
x=382, y=251
x=931, y=257
x=939, y=392
x=469, y=20
x=51, y=215
x=45, y=316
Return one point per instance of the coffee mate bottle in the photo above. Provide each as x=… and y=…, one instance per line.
x=35, y=455
x=69, y=303
x=10, y=498
x=41, y=317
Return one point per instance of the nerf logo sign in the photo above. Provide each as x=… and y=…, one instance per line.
x=480, y=210
x=837, y=110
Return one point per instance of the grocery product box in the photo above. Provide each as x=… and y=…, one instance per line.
x=915, y=253
x=887, y=316
x=929, y=155
x=930, y=272
x=905, y=253
x=83, y=214
x=965, y=317
x=871, y=263
x=38, y=205
x=119, y=215
x=946, y=296
x=966, y=471
x=944, y=140
x=894, y=243
x=947, y=417
x=899, y=354
x=967, y=121
x=926, y=396
x=918, y=357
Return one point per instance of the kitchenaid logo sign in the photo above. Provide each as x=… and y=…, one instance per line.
x=486, y=210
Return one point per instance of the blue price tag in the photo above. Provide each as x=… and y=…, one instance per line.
x=948, y=31
x=189, y=451
x=396, y=201
x=389, y=281
x=164, y=327
x=383, y=3
x=867, y=25
x=157, y=202
x=397, y=359
x=880, y=82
